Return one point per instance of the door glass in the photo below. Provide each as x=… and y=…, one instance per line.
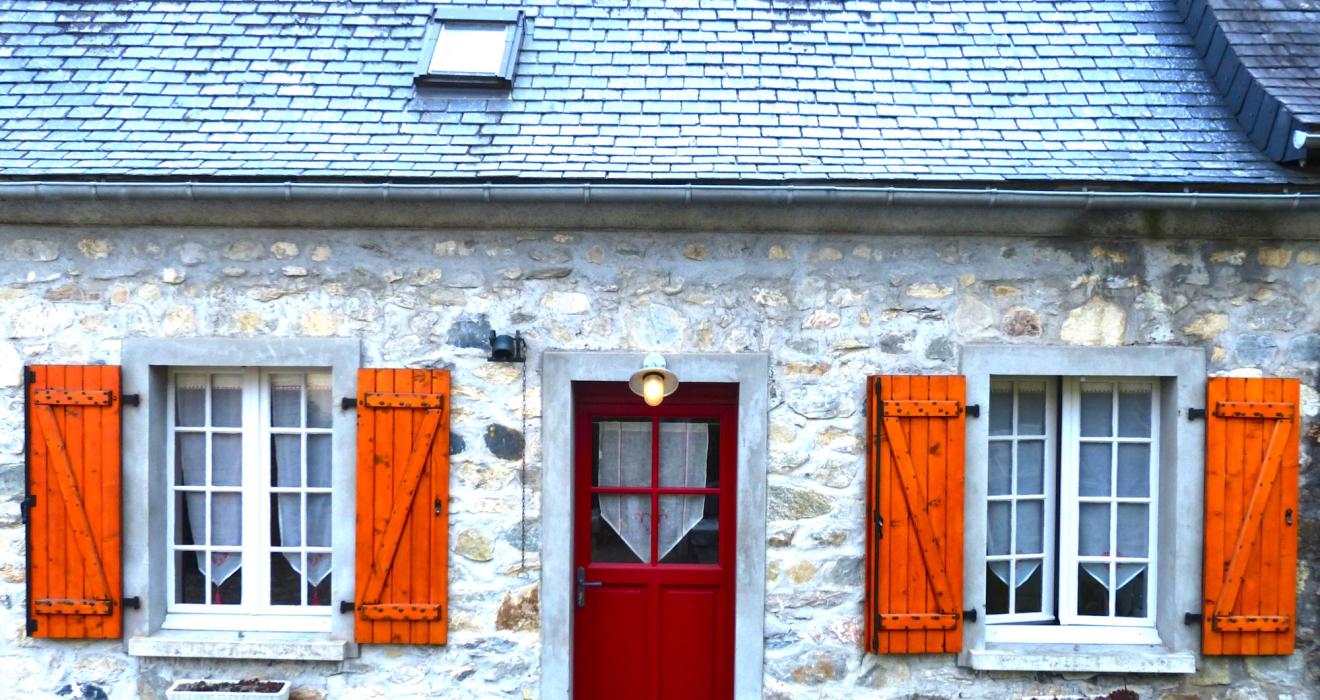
x=622, y=452
x=621, y=528
x=689, y=529
x=690, y=454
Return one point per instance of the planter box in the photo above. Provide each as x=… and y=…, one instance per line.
x=175, y=694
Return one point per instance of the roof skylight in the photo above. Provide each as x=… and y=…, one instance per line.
x=472, y=46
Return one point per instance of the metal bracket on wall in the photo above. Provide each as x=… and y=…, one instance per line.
x=1196, y=414
x=348, y=403
x=1192, y=618
x=131, y=399
x=346, y=606
x=974, y=410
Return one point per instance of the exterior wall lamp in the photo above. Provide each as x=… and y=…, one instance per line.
x=507, y=348
x=653, y=382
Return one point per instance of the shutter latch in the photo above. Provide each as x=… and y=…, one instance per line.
x=26, y=506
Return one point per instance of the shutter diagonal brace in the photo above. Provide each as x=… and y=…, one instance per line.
x=1249, y=535
x=75, y=507
x=929, y=545
x=404, y=497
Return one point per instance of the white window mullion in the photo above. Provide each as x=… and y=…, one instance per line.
x=1068, y=489
x=171, y=528
x=255, y=566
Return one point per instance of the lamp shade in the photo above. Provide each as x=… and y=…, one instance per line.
x=653, y=365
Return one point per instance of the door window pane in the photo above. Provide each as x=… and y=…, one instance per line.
x=689, y=453
x=1031, y=408
x=1093, y=529
x=699, y=543
x=1001, y=468
x=1134, y=410
x=1093, y=589
x=1029, y=596
x=1000, y=525
x=1094, y=469
x=623, y=453
x=1097, y=409
x=227, y=400
x=1001, y=408
x=1130, y=599
x=1031, y=468
x=1030, y=527
x=621, y=528
x=1133, y=530
x=1133, y=470
x=190, y=400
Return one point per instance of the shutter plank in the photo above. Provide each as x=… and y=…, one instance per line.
x=1216, y=484
x=367, y=449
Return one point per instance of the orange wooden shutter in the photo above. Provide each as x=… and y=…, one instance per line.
x=72, y=508
x=402, y=506
x=1253, y=428
x=914, y=503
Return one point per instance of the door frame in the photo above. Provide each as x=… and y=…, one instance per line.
x=559, y=369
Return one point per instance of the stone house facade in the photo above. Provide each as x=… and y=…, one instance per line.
x=783, y=198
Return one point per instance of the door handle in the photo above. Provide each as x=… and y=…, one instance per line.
x=582, y=585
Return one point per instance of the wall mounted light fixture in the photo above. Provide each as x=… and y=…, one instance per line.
x=507, y=348
x=653, y=382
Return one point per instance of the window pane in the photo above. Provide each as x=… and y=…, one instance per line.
x=190, y=400
x=288, y=520
x=996, y=587
x=318, y=579
x=1130, y=599
x=226, y=459
x=1134, y=471
x=286, y=400
x=1001, y=468
x=1029, y=594
x=1094, y=468
x=1031, y=408
x=285, y=583
x=469, y=47
x=1093, y=589
x=227, y=401
x=1133, y=529
x=621, y=528
x=286, y=453
x=318, y=460
x=1030, y=527
x=189, y=518
x=318, y=519
x=1001, y=408
x=319, y=409
x=1134, y=410
x=226, y=578
x=226, y=519
x=700, y=543
x=1093, y=529
x=689, y=453
x=623, y=454
x=188, y=583
x=1097, y=409
x=190, y=459
x=1031, y=468
x=997, y=534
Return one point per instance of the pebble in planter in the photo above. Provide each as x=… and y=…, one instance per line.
x=248, y=689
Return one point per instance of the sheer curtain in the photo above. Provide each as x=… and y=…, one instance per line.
x=226, y=508
x=286, y=411
x=625, y=460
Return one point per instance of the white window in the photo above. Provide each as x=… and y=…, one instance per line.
x=250, y=509
x=1070, y=500
x=1084, y=508
x=471, y=47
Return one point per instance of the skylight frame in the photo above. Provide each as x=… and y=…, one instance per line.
x=511, y=21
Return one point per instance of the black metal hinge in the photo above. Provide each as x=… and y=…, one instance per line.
x=1192, y=618
x=26, y=506
x=1196, y=414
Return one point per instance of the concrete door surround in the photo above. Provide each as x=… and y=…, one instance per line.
x=751, y=371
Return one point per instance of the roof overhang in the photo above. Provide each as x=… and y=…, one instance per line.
x=769, y=208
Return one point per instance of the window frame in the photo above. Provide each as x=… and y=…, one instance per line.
x=511, y=20
x=1169, y=646
x=146, y=367
x=255, y=490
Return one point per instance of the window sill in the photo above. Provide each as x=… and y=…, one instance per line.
x=274, y=646
x=1088, y=658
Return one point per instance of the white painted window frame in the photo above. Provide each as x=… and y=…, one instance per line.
x=255, y=491
x=1049, y=501
x=146, y=364
x=1105, y=629
x=1170, y=646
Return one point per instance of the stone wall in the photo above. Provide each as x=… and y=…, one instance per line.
x=829, y=310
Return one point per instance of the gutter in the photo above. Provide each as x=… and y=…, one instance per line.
x=54, y=191
x=1306, y=140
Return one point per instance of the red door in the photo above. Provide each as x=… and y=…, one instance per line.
x=654, y=543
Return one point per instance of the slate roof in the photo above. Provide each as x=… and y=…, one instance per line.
x=1279, y=42
x=682, y=90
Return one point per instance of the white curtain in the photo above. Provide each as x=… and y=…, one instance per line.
x=286, y=405
x=625, y=460
x=226, y=470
